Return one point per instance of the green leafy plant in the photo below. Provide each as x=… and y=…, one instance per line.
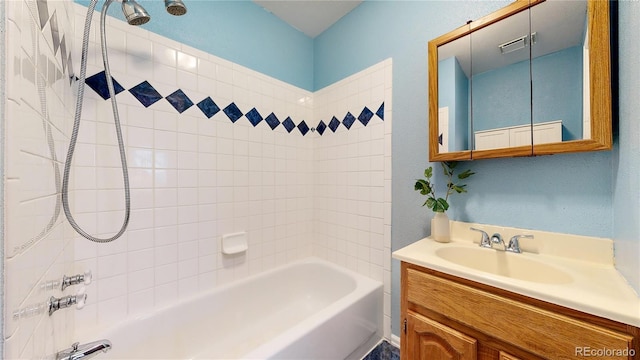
x=427, y=188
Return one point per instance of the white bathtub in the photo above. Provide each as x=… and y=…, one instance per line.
x=310, y=309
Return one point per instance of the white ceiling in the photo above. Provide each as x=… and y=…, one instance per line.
x=312, y=17
x=558, y=25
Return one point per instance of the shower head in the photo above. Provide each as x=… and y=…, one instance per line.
x=175, y=7
x=135, y=13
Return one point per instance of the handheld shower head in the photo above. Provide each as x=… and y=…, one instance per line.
x=134, y=12
x=175, y=7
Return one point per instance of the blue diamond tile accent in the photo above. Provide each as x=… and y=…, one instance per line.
x=304, y=129
x=145, y=93
x=232, y=112
x=348, y=120
x=288, y=124
x=365, y=116
x=98, y=83
x=254, y=117
x=208, y=107
x=321, y=127
x=272, y=120
x=179, y=101
x=380, y=112
x=333, y=124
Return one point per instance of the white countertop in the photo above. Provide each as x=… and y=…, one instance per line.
x=596, y=287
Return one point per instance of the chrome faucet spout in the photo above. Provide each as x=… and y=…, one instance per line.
x=85, y=351
x=496, y=240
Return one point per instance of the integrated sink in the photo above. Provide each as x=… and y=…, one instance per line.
x=515, y=266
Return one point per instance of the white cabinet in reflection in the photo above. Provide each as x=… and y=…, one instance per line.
x=543, y=133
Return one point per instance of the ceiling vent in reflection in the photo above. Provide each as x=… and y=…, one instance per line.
x=516, y=44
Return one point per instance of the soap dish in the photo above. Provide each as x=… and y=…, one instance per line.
x=235, y=243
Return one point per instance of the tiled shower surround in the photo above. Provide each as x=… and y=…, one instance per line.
x=212, y=148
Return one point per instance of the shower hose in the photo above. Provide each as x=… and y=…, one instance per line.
x=76, y=125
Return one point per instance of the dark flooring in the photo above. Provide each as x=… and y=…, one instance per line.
x=384, y=351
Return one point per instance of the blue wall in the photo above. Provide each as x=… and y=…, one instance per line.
x=560, y=99
x=499, y=96
x=463, y=123
x=626, y=172
x=238, y=31
x=453, y=93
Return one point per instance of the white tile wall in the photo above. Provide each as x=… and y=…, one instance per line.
x=352, y=168
x=192, y=178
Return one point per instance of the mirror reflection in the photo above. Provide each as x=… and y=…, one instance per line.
x=500, y=84
x=454, y=67
x=521, y=77
x=560, y=72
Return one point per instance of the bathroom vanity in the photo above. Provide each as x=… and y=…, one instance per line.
x=540, y=304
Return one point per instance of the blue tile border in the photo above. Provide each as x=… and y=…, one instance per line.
x=147, y=95
x=254, y=117
x=98, y=82
x=179, y=100
x=333, y=125
x=273, y=121
x=288, y=124
x=233, y=112
x=348, y=120
x=321, y=127
x=208, y=107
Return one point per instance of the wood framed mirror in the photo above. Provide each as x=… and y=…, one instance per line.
x=533, y=78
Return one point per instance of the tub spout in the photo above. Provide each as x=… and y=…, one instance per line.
x=85, y=351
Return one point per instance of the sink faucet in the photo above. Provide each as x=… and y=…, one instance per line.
x=496, y=240
x=85, y=351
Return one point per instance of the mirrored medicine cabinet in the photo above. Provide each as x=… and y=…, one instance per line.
x=533, y=78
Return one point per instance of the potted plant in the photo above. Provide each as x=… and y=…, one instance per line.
x=439, y=205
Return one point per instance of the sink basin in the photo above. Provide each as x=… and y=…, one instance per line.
x=515, y=266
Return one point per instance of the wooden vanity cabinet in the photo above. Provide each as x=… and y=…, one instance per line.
x=446, y=317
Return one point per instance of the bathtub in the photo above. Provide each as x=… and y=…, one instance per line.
x=310, y=309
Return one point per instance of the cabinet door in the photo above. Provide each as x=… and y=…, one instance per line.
x=430, y=340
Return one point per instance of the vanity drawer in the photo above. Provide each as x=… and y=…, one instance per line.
x=539, y=331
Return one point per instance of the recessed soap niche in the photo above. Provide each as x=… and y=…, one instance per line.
x=235, y=243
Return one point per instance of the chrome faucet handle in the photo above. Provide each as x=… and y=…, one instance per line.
x=514, y=244
x=77, y=279
x=79, y=300
x=485, y=242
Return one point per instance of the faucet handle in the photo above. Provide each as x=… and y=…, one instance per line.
x=514, y=244
x=77, y=279
x=485, y=242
